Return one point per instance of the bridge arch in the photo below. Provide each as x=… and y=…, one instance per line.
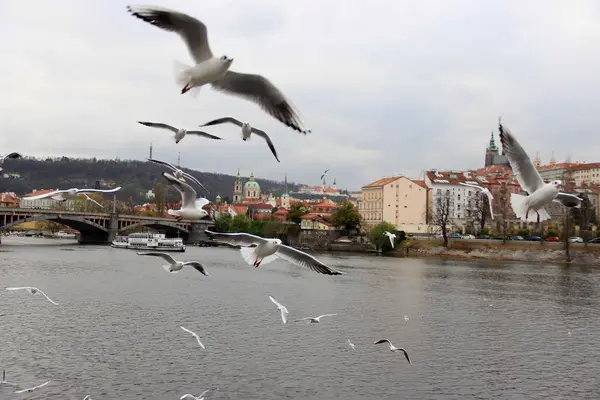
x=79, y=224
x=169, y=226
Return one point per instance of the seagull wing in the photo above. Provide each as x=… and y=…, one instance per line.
x=192, y=31
x=187, y=397
x=20, y=288
x=188, y=194
x=490, y=199
x=224, y=120
x=391, y=240
x=302, y=319
x=569, y=200
x=92, y=200
x=165, y=256
x=166, y=164
x=278, y=304
x=235, y=239
x=33, y=388
x=303, y=259
x=260, y=90
x=405, y=355
x=284, y=313
x=264, y=135
x=201, y=202
x=527, y=175
x=471, y=185
x=326, y=315
x=99, y=190
x=13, y=155
x=383, y=341
x=49, y=299
x=204, y=134
x=158, y=125
x=193, y=179
x=196, y=265
x=195, y=335
x=45, y=195
x=202, y=394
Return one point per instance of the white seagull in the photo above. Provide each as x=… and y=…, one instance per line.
x=267, y=250
x=394, y=348
x=391, y=236
x=314, y=320
x=88, y=397
x=70, y=194
x=12, y=155
x=282, y=308
x=189, y=206
x=178, y=173
x=351, y=344
x=197, y=338
x=247, y=131
x=33, y=290
x=33, y=388
x=540, y=193
x=209, y=69
x=175, y=266
x=179, y=133
x=4, y=382
x=406, y=318
x=484, y=191
x=192, y=397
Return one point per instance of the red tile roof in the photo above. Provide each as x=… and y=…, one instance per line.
x=382, y=182
x=421, y=183
x=317, y=217
x=7, y=198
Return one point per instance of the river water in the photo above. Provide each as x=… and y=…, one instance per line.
x=475, y=330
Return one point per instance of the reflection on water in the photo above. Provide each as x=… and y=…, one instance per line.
x=489, y=330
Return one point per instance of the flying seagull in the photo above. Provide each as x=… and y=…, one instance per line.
x=88, y=397
x=351, y=345
x=282, y=308
x=314, y=320
x=175, y=266
x=394, y=348
x=70, y=194
x=197, y=338
x=267, y=250
x=4, y=382
x=247, y=131
x=178, y=173
x=33, y=388
x=33, y=290
x=209, y=69
x=406, y=318
x=485, y=191
x=391, y=236
x=12, y=155
x=540, y=193
x=192, y=397
x=324, y=174
x=189, y=206
x=179, y=133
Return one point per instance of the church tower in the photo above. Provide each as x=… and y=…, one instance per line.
x=237, y=189
x=537, y=163
x=491, y=151
x=552, y=159
x=285, y=198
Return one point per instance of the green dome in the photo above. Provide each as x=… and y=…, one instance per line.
x=251, y=184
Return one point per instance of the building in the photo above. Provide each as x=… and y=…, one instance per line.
x=493, y=156
x=9, y=199
x=45, y=204
x=398, y=200
x=247, y=192
x=315, y=221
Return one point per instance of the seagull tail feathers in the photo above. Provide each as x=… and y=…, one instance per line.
x=181, y=72
x=519, y=204
x=248, y=254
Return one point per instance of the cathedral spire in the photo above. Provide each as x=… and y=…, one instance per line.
x=537, y=162
x=492, y=145
x=552, y=159
x=286, y=186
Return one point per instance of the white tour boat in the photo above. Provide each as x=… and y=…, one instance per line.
x=148, y=241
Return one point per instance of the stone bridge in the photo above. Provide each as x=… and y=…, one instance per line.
x=103, y=227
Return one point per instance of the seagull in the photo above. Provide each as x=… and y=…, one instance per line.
x=314, y=320
x=192, y=397
x=4, y=382
x=179, y=133
x=485, y=191
x=406, y=318
x=33, y=388
x=175, y=266
x=197, y=338
x=351, y=344
x=392, y=237
x=88, y=397
x=247, y=131
x=178, y=173
x=189, y=206
x=540, y=193
x=209, y=69
x=324, y=174
x=284, y=310
x=267, y=250
x=33, y=290
x=12, y=155
x=394, y=348
x=70, y=194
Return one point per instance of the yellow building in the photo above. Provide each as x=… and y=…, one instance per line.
x=398, y=200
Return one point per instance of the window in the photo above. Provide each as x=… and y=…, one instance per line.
x=459, y=197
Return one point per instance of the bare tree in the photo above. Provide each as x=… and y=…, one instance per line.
x=478, y=210
x=441, y=214
x=569, y=185
x=584, y=217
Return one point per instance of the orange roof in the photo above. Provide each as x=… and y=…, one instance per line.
x=316, y=217
x=38, y=192
x=580, y=167
x=7, y=198
x=421, y=183
x=382, y=182
x=239, y=209
x=281, y=211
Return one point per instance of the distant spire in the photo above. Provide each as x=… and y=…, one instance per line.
x=286, y=186
x=492, y=145
x=538, y=162
x=178, y=159
x=552, y=159
x=238, y=174
x=150, y=150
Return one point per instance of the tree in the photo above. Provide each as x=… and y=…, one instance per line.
x=377, y=237
x=584, y=216
x=239, y=223
x=478, y=210
x=297, y=210
x=51, y=226
x=441, y=215
x=223, y=222
x=346, y=216
x=159, y=198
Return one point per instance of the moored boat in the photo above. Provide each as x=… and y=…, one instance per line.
x=148, y=241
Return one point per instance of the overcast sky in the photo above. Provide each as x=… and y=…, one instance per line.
x=387, y=87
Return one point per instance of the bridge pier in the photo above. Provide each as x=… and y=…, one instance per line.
x=93, y=237
x=197, y=234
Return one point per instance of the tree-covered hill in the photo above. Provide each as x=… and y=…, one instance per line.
x=135, y=177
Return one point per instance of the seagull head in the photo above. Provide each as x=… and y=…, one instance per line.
x=203, y=213
x=226, y=60
x=275, y=241
x=556, y=183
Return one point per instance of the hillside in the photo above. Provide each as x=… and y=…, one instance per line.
x=135, y=177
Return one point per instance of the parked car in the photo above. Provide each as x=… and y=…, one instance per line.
x=575, y=239
x=468, y=236
x=553, y=239
x=517, y=238
x=455, y=236
x=534, y=239
x=594, y=240
x=486, y=237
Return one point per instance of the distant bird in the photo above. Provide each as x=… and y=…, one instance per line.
x=33, y=388
x=267, y=250
x=485, y=191
x=324, y=174
x=247, y=131
x=197, y=338
x=178, y=173
x=33, y=290
x=175, y=266
x=351, y=345
x=179, y=133
x=540, y=193
x=12, y=155
x=406, y=318
x=215, y=70
x=4, y=382
x=314, y=320
x=189, y=206
x=391, y=236
x=192, y=397
x=71, y=194
x=88, y=397
x=282, y=308
x=394, y=348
